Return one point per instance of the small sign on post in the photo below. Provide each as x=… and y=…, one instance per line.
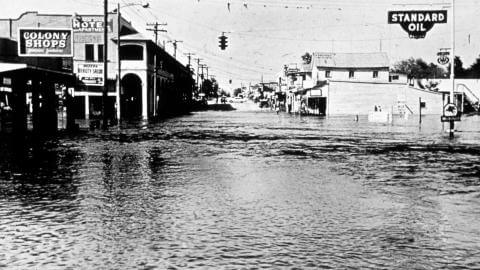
x=450, y=113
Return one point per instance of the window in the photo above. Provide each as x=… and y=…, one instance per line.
x=131, y=52
x=375, y=74
x=89, y=54
x=304, y=77
x=351, y=74
x=100, y=52
x=327, y=74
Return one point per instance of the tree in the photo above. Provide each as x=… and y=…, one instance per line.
x=418, y=68
x=237, y=91
x=474, y=70
x=307, y=58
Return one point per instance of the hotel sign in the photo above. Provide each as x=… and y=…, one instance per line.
x=90, y=24
x=89, y=73
x=417, y=22
x=45, y=42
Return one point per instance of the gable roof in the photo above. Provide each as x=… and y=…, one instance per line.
x=350, y=60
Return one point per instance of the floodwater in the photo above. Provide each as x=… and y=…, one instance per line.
x=245, y=189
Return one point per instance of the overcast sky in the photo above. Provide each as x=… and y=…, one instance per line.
x=263, y=35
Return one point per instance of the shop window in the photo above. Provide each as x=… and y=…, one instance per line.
x=131, y=52
x=327, y=74
x=375, y=74
x=89, y=52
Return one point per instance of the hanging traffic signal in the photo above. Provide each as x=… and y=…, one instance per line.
x=223, y=42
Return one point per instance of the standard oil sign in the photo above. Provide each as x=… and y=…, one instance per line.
x=45, y=42
x=417, y=22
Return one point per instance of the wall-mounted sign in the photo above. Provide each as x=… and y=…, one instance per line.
x=417, y=22
x=45, y=42
x=90, y=24
x=7, y=81
x=443, y=57
x=89, y=73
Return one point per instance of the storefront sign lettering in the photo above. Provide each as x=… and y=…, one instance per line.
x=90, y=24
x=417, y=22
x=89, y=73
x=44, y=42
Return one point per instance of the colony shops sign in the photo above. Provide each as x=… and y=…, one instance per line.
x=417, y=22
x=90, y=24
x=45, y=42
x=89, y=73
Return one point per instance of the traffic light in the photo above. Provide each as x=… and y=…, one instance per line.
x=223, y=42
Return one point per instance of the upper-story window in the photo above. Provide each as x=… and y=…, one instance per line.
x=327, y=74
x=89, y=52
x=351, y=74
x=375, y=74
x=131, y=52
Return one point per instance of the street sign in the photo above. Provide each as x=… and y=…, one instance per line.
x=45, y=42
x=90, y=73
x=455, y=118
x=450, y=110
x=417, y=22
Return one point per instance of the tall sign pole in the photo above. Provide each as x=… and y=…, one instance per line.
x=452, y=68
x=105, y=57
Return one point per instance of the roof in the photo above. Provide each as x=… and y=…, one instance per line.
x=351, y=60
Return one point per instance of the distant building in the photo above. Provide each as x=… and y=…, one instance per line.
x=351, y=83
x=356, y=67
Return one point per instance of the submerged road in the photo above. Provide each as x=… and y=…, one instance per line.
x=245, y=189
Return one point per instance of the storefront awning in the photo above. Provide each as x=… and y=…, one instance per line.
x=26, y=71
x=4, y=67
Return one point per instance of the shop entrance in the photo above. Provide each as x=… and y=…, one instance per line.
x=131, y=96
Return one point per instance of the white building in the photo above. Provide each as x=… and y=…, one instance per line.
x=352, y=83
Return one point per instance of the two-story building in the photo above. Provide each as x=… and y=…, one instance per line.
x=352, y=83
x=152, y=82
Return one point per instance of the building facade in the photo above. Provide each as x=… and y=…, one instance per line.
x=352, y=83
x=152, y=83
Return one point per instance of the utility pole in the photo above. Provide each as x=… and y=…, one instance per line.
x=198, y=67
x=202, y=76
x=452, y=69
x=155, y=29
x=189, y=55
x=174, y=42
x=105, y=66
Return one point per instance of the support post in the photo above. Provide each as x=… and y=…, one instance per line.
x=119, y=77
x=420, y=110
x=105, y=66
x=452, y=68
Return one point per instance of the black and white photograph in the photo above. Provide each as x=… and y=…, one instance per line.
x=239, y=134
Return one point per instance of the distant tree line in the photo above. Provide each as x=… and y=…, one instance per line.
x=419, y=69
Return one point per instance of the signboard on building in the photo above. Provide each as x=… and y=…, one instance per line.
x=45, y=42
x=90, y=73
x=90, y=24
x=417, y=22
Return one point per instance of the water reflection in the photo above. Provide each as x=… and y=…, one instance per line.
x=245, y=189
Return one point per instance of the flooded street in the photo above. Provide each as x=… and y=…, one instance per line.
x=245, y=189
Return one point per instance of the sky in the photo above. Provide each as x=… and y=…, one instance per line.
x=264, y=35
